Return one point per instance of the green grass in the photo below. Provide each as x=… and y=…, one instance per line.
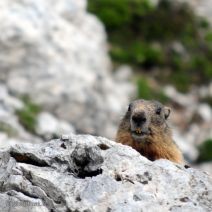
x=28, y=115
x=205, y=151
x=146, y=92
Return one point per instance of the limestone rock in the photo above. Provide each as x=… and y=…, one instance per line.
x=48, y=126
x=56, y=52
x=205, y=112
x=191, y=120
x=86, y=173
x=11, y=131
x=206, y=166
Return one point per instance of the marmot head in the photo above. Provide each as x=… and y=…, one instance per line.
x=144, y=117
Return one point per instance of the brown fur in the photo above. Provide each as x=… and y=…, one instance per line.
x=158, y=144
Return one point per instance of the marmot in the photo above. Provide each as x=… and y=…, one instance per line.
x=144, y=128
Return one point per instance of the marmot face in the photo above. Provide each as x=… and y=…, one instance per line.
x=146, y=116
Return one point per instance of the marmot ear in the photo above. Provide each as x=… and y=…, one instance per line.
x=167, y=112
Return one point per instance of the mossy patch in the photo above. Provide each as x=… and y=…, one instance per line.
x=28, y=115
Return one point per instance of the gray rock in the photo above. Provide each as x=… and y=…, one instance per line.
x=185, y=144
x=86, y=173
x=205, y=112
x=56, y=52
x=11, y=131
x=206, y=166
x=123, y=73
x=205, y=91
x=48, y=126
x=202, y=7
x=184, y=100
x=191, y=120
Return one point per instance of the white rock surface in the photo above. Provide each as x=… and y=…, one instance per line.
x=205, y=112
x=189, y=150
x=11, y=131
x=57, y=53
x=206, y=167
x=86, y=173
x=48, y=125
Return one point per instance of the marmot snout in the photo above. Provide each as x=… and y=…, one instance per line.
x=144, y=127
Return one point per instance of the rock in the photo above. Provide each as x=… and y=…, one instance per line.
x=202, y=7
x=179, y=98
x=123, y=73
x=205, y=91
x=205, y=112
x=179, y=49
x=86, y=173
x=191, y=119
x=207, y=167
x=48, y=126
x=11, y=131
x=186, y=145
x=59, y=51
x=8, y=102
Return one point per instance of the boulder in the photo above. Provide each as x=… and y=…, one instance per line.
x=87, y=173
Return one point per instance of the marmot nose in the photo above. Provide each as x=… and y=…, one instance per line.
x=139, y=118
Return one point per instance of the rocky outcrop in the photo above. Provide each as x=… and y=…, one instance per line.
x=86, y=173
x=55, y=52
x=11, y=130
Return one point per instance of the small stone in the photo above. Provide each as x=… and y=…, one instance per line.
x=64, y=137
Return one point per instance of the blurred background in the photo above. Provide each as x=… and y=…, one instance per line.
x=73, y=66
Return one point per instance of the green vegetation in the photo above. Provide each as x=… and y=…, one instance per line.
x=207, y=100
x=169, y=36
x=205, y=151
x=28, y=115
x=8, y=129
x=147, y=92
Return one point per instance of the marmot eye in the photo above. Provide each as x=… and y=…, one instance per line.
x=158, y=111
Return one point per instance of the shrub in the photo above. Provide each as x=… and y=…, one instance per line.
x=134, y=26
x=120, y=13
